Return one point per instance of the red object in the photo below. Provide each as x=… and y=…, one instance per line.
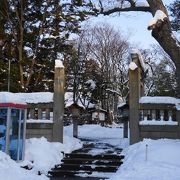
x=23, y=106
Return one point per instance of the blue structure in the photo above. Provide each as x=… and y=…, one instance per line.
x=12, y=125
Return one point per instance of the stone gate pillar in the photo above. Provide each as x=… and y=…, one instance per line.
x=58, y=106
x=136, y=90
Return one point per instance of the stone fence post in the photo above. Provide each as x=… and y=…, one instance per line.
x=136, y=90
x=58, y=106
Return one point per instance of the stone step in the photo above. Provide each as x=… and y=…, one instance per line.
x=90, y=167
x=90, y=156
x=111, y=162
x=59, y=172
x=75, y=174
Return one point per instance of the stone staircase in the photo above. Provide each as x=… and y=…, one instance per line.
x=82, y=163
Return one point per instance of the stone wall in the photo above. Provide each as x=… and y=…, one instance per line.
x=37, y=130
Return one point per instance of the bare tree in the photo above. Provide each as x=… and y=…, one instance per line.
x=161, y=29
x=109, y=48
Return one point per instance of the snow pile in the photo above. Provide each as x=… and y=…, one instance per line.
x=159, y=16
x=58, y=64
x=7, y=97
x=10, y=170
x=160, y=100
x=162, y=162
x=43, y=155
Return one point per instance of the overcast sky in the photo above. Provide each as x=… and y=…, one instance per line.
x=132, y=24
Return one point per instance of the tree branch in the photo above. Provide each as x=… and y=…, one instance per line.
x=114, y=10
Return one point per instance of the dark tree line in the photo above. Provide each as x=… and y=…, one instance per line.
x=32, y=35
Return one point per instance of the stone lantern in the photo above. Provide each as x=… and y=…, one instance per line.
x=12, y=125
x=75, y=111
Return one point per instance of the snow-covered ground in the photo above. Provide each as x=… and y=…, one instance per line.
x=151, y=160
x=146, y=160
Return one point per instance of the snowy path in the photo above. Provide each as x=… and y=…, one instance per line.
x=106, y=160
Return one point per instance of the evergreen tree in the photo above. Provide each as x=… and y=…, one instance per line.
x=175, y=13
x=35, y=33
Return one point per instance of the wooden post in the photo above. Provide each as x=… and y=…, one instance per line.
x=125, y=130
x=75, y=127
x=32, y=113
x=135, y=92
x=39, y=113
x=58, y=106
x=178, y=120
x=47, y=113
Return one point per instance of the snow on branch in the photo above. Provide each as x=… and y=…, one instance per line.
x=157, y=20
x=107, y=7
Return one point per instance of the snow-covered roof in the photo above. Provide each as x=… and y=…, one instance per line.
x=71, y=103
x=36, y=97
x=160, y=100
x=7, y=97
x=47, y=97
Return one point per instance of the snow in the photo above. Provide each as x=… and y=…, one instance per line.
x=154, y=122
x=7, y=97
x=121, y=105
x=58, y=64
x=160, y=100
x=45, y=160
x=47, y=97
x=37, y=97
x=140, y=57
x=69, y=101
x=176, y=39
x=39, y=121
x=111, y=135
x=109, y=4
x=133, y=66
x=163, y=161
x=159, y=15
x=91, y=83
x=10, y=170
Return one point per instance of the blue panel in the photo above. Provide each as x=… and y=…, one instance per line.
x=14, y=128
x=3, y=120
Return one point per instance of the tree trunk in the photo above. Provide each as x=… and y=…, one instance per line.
x=165, y=38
